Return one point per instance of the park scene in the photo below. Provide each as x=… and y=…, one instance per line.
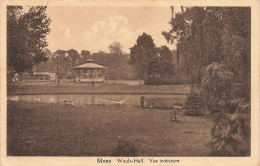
x=128, y=81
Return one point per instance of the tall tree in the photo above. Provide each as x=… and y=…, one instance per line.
x=165, y=59
x=215, y=42
x=115, y=49
x=143, y=57
x=63, y=62
x=26, y=37
x=209, y=34
x=74, y=57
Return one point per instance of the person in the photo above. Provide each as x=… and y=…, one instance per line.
x=175, y=116
x=142, y=101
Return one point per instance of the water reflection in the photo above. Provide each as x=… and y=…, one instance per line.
x=133, y=100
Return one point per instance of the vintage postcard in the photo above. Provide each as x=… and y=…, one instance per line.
x=123, y=82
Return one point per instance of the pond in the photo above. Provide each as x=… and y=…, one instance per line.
x=162, y=101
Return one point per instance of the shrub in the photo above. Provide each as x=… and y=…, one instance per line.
x=231, y=133
x=164, y=81
x=194, y=104
x=124, y=149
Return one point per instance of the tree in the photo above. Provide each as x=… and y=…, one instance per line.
x=63, y=62
x=165, y=59
x=116, y=50
x=75, y=59
x=215, y=43
x=143, y=57
x=138, y=60
x=85, y=54
x=212, y=34
x=26, y=38
x=48, y=66
x=216, y=84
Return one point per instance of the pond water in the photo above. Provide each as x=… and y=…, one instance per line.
x=164, y=101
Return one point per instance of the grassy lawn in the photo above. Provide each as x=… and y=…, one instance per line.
x=40, y=129
x=47, y=88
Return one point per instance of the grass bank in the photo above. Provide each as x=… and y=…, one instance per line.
x=99, y=88
x=38, y=129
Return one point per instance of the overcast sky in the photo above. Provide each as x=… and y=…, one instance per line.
x=94, y=28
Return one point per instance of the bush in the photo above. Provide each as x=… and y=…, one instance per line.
x=194, y=104
x=124, y=148
x=231, y=133
x=164, y=81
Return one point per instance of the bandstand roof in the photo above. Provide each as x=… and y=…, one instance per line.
x=90, y=65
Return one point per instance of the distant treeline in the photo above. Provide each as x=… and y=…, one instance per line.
x=118, y=67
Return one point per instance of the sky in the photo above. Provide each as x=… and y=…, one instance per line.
x=95, y=28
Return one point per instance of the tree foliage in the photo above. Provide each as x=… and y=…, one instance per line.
x=85, y=54
x=165, y=61
x=26, y=37
x=216, y=84
x=212, y=34
x=116, y=48
x=143, y=57
x=116, y=51
x=150, y=62
x=215, y=45
x=68, y=59
x=118, y=67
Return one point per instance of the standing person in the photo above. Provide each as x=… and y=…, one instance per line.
x=142, y=101
x=175, y=116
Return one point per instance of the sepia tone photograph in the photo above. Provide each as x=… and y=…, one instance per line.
x=128, y=81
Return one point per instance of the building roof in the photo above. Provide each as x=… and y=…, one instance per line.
x=90, y=65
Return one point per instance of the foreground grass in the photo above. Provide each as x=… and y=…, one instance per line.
x=39, y=129
x=52, y=88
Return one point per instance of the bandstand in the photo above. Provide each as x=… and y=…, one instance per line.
x=90, y=72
